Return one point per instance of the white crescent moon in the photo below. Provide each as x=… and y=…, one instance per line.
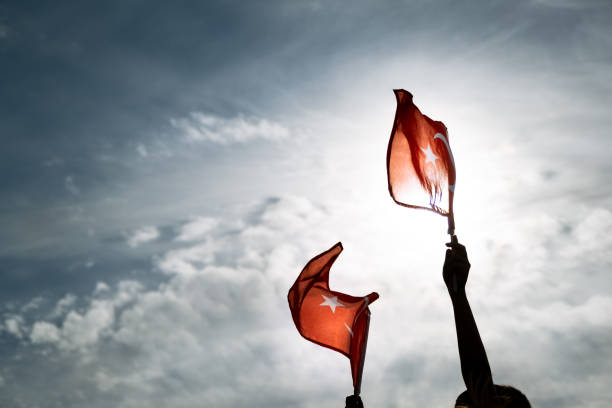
x=450, y=153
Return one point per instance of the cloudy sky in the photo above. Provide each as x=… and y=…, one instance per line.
x=168, y=168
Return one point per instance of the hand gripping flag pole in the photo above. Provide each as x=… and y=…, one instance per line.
x=328, y=318
x=420, y=162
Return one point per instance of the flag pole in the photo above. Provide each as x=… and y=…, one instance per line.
x=451, y=213
x=357, y=389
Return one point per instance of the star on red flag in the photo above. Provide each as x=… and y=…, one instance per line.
x=420, y=163
x=328, y=318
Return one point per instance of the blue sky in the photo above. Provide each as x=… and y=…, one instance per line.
x=167, y=170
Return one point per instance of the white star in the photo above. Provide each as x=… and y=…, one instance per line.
x=332, y=302
x=430, y=157
x=349, y=329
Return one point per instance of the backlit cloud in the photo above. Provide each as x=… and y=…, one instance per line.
x=142, y=235
x=201, y=127
x=196, y=228
x=218, y=329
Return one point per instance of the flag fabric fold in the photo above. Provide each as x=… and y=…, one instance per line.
x=328, y=318
x=420, y=164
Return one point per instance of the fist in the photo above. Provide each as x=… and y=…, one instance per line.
x=456, y=267
x=354, y=401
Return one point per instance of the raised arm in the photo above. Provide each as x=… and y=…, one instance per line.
x=474, y=363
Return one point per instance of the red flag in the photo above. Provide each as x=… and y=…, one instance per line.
x=329, y=318
x=420, y=164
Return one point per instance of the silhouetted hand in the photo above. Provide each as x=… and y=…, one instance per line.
x=354, y=401
x=456, y=267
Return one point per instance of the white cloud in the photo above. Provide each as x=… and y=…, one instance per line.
x=196, y=228
x=592, y=314
x=64, y=304
x=71, y=186
x=215, y=312
x=44, y=332
x=240, y=129
x=224, y=304
x=32, y=304
x=142, y=236
x=101, y=287
x=80, y=331
x=14, y=325
x=142, y=150
x=127, y=291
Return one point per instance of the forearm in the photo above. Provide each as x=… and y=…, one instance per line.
x=474, y=363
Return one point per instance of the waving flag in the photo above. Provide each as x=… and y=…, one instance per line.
x=329, y=318
x=420, y=164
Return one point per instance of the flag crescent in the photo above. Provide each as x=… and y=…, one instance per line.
x=450, y=153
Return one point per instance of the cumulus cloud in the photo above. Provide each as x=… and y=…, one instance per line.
x=64, y=304
x=101, y=287
x=14, y=325
x=196, y=228
x=142, y=236
x=81, y=330
x=224, y=304
x=44, y=332
x=217, y=331
x=78, y=330
x=202, y=127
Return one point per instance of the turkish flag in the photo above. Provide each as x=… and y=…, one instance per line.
x=420, y=163
x=329, y=318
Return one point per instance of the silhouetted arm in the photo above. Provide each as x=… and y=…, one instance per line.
x=474, y=363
